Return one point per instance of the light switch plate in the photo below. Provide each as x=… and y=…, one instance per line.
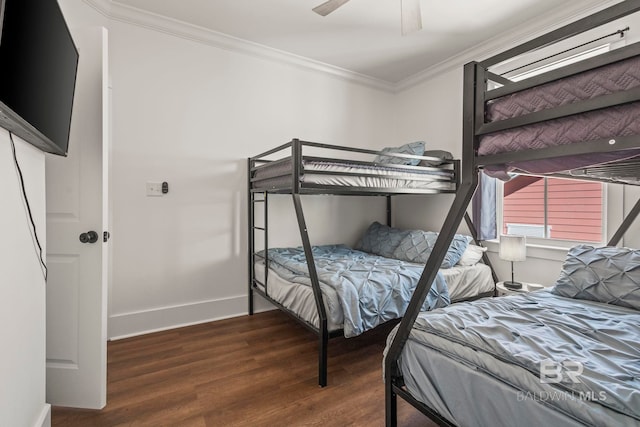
x=154, y=189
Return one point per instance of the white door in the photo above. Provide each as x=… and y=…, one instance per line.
x=77, y=202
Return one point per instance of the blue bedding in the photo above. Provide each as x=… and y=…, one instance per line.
x=371, y=289
x=587, y=350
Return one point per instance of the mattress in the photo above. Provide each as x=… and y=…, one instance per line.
x=495, y=348
x=608, y=123
x=616, y=77
x=464, y=282
x=278, y=175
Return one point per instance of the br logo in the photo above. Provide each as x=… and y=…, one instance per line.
x=554, y=372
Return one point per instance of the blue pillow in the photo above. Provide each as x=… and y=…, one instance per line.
x=381, y=239
x=416, y=247
x=416, y=148
x=609, y=274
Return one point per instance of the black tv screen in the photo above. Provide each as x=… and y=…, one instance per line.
x=38, y=65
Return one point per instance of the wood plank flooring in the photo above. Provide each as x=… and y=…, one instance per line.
x=256, y=370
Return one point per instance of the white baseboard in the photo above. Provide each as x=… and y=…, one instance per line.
x=142, y=322
x=44, y=420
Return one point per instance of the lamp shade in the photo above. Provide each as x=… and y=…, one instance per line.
x=513, y=248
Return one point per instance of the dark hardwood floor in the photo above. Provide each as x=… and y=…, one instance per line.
x=256, y=370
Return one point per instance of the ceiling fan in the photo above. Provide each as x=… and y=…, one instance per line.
x=409, y=10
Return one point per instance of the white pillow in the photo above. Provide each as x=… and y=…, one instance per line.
x=472, y=255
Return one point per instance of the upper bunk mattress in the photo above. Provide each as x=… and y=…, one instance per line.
x=506, y=341
x=613, y=122
x=611, y=78
x=278, y=175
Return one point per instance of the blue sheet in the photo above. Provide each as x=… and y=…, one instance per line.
x=371, y=289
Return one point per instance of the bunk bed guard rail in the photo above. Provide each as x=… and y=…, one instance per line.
x=334, y=165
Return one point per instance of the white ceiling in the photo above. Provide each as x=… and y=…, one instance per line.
x=363, y=36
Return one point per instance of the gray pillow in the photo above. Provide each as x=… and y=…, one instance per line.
x=435, y=153
x=608, y=274
x=416, y=148
x=416, y=247
x=381, y=239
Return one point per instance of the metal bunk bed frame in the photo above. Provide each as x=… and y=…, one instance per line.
x=297, y=188
x=476, y=76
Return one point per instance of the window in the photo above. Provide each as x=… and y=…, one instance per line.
x=553, y=208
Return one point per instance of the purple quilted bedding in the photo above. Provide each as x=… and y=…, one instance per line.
x=609, y=123
x=612, y=78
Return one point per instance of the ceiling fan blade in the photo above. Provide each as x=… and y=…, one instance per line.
x=411, y=16
x=329, y=6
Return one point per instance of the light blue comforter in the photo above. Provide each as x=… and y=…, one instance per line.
x=371, y=289
x=588, y=350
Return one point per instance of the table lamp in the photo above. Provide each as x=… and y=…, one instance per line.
x=513, y=248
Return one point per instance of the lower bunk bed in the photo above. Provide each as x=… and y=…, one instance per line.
x=569, y=356
x=365, y=287
x=291, y=288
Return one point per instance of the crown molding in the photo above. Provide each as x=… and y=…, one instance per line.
x=103, y=7
x=544, y=23
x=145, y=19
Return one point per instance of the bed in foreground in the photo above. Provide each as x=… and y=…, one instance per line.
x=604, y=153
x=561, y=357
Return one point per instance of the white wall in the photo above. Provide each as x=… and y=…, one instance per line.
x=22, y=289
x=430, y=111
x=190, y=114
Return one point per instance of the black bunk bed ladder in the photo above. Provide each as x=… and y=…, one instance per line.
x=253, y=255
x=253, y=281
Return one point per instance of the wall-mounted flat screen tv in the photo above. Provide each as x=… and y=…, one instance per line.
x=38, y=66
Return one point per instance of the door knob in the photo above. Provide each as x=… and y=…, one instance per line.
x=89, y=237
